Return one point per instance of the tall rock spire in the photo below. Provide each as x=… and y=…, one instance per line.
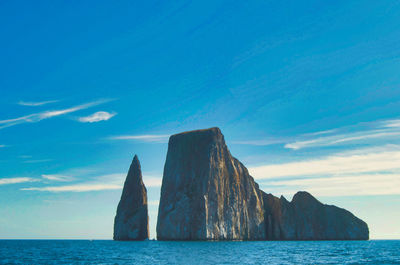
x=132, y=220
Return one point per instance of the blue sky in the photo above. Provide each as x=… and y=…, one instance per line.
x=307, y=96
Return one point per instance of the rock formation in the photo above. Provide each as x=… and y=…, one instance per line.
x=206, y=193
x=305, y=218
x=132, y=220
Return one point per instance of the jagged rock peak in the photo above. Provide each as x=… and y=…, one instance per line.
x=206, y=193
x=306, y=218
x=132, y=221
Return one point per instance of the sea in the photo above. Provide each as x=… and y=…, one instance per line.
x=188, y=253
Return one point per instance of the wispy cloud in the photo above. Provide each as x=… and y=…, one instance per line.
x=4, y=181
x=97, y=116
x=25, y=156
x=343, y=185
x=368, y=171
x=343, y=138
x=368, y=131
x=61, y=178
x=160, y=138
x=153, y=202
x=152, y=181
x=37, y=161
x=77, y=188
x=37, y=103
x=261, y=142
x=105, y=182
x=360, y=133
x=2, y=145
x=341, y=163
x=36, y=117
x=391, y=123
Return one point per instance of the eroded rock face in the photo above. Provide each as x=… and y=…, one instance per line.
x=305, y=218
x=132, y=221
x=206, y=193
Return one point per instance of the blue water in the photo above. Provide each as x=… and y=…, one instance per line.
x=155, y=252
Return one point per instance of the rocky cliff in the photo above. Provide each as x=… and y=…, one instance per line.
x=206, y=193
x=305, y=218
x=132, y=221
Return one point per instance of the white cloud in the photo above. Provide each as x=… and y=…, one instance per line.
x=35, y=104
x=345, y=163
x=2, y=145
x=153, y=202
x=344, y=185
x=391, y=123
x=37, y=161
x=376, y=130
x=58, y=177
x=36, y=117
x=161, y=138
x=106, y=182
x=343, y=138
x=77, y=188
x=25, y=156
x=369, y=171
x=152, y=181
x=4, y=181
x=97, y=116
x=362, y=133
x=260, y=142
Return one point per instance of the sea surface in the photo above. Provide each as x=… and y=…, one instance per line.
x=157, y=252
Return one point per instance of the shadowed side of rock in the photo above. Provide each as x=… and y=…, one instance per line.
x=207, y=194
x=132, y=221
x=305, y=218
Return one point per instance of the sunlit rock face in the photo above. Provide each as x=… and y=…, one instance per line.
x=206, y=193
x=132, y=221
x=305, y=218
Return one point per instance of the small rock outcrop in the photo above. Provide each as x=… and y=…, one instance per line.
x=305, y=218
x=206, y=193
x=132, y=220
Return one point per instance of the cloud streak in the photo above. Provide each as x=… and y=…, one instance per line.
x=100, y=183
x=36, y=117
x=343, y=138
x=152, y=181
x=344, y=185
x=35, y=104
x=360, y=133
x=261, y=142
x=97, y=116
x=158, y=138
x=377, y=130
x=56, y=177
x=105, y=182
x=345, y=163
x=76, y=188
x=5, y=181
x=37, y=161
x=373, y=171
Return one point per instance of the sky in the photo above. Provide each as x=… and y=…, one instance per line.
x=307, y=97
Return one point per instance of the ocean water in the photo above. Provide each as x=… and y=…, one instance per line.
x=157, y=252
